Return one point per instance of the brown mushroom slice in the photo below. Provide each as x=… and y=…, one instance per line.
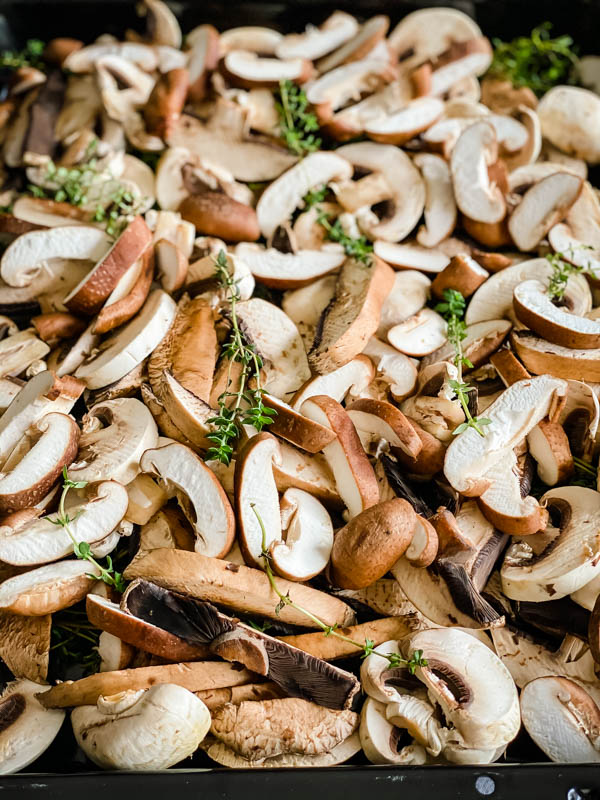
x=288, y=270
x=348, y=324
x=41, y=211
x=202, y=44
x=172, y=265
x=354, y=476
x=25, y=645
x=423, y=548
x=403, y=125
x=19, y=351
x=360, y=46
x=351, y=378
x=440, y=206
x=419, y=335
x=543, y=205
x=376, y=419
x=476, y=195
x=541, y=357
x=199, y=493
x=256, y=496
x=463, y=274
x=309, y=472
x=58, y=325
x=481, y=341
x=114, y=654
x=568, y=116
x=47, y=589
x=426, y=33
x=117, y=312
x=292, y=426
x=314, y=171
x=28, y=729
x=563, y=240
x=226, y=757
x=217, y=214
x=549, y=446
x=562, y=719
x=166, y=102
x=394, y=368
x=247, y=69
x=307, y=533
x=411, y=256
x=461, y=61
x=317, y=42
x=408, y=296
x=52, y=446
x=406, y=187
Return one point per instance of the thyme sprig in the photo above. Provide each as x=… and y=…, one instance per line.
x=359, y=248
x=74, y=641
x=296, y=123
x=30, y=56
x=82, y=549
x=562, y=269
x=536, y=61
x=367, y=647
x=586, y=474
x=244, y=405
x=314, y=197
x=453, y=311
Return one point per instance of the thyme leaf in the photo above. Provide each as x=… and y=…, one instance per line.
x=359, y=248
x=30, y=56
x=296, y=123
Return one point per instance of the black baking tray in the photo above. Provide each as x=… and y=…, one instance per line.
x=63, y=772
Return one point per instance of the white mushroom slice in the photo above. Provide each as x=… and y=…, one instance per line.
x=308, y=537
x=114, y=654
x=542, y=206
x=202, y=44
x=482, y=339
x=317, y=42
x=354, y=476
x=529, y=151
x=353, y=377
x=562, y=719
x=394, y=368
x=376, y=676
x=457, y=679
x=32, y=253
x=248, y=69
x=476, y=196
x=41, y=541
x=381, y=740
x=115, y=434
x=148, y=729
x=278, y=343
x=563, y=241
x=406, y=185
x=534, y=308
x=28, y=728
x=570, y=559
x=399, y=127
x=19, y=351
x=419, y=335
x=310, y=472
x=411, y=256
x=250, y=37
x=282, y=197
x=304, y=306
x=52, y=445
x=459, y=62
x=47, y=589
x=364, y=44
x=351, y=121
x=288, y=270
x=375, y=420
x=569, y=117
x=131, y=344
x=199, y=494
x=549, y=446
x=541, y=357
x=494, y=298
x=408, y=296
x=518, y=409
x=440, y=206
x=84, y=60
x=424, y=34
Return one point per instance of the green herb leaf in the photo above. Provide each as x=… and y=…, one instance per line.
x=359, y=248
x=296, y=123
x=30, y=56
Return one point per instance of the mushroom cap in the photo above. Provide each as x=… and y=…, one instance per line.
x=569, y=117
x=149, y=729
x=27, y=728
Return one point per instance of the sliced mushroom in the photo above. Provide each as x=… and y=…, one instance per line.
x=308, y=537
x=540, y=357
x=481, y=341
x=352, y=378
x=199, y=493
x=568, y=116
x=476, y=195
x=549, y=446
x=28, y=729
x=419, y=335
x=361, y=45
x=25, y=643
x=407, y=123
x=411, y=256
x=376, y=420
x=407, y=297
x=124, y=302
x=338, y=755
x=440, y=206
x=317, y=42
x=247, y=69
x=463, y=274
x=288, y=270
x=19, y=351
x=382, y=741
x=217, y=214
x=394, y=368
x=47, y=589
x=166, y=102
x=290, y=425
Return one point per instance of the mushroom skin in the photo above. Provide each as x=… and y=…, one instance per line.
x=140, y=730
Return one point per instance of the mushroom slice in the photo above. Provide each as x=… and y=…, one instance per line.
x=338, y=755
x=408, y=296
x=28, y=729
x=481, y=341
x=119, y=310
x=202, y=44
x=317, y=42
x=403, y=125
x=494, y=298
x=534, y=308
x=563, y=241
x=518, y=409
x=542, y=206
x=114, y=654
x=549, y=446
x=47, y=589
x=440, y=206
x=463, y=274
x=131, y=344
x=383, y=683
x=172, y=265
x=376, y=420
x=290, y=425
x=354, y=476
x=114, y=451
x=423, y=548
x=411, y=256
x=199, y=494
x=19, y=351
x=407, y=189
x=165, y=103
x=254, y=38
x=419, y=335
x=282, y=197
x=394, y=368
x=249, y=70
x=288, y=270
x=542, y=357
x=308, y=537
x=457, y=679
x=353, y=314
x=568, y=116
x=562, y=559
x=476, y=195
x=148, y=729
x=304, y=306
x=52, y=446
x=352, y=378
x=381, y=740
x=460, y=61
x=360, y=46
x=562, y=719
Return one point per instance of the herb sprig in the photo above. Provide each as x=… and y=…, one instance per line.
x=536, y=61
x=586, y=474
x=314, y=197
x=453, y=311
x=82, y=549
x=30, y=56
x=562, y=269
x=367, y=647
x=359, y=248
x=296, y=123
x=244, y=405
x=74, y=641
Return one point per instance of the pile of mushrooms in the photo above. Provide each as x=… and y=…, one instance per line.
x=479, y=550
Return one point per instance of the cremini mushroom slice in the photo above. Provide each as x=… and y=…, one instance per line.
x=408, y=296
x=423, y=548
x=481, y=341
x=217, y=214
x=317, y=42
x=199, y=493
x=568, y=116
x=419, y=335
x=426, y=33
x=202, y=44
x=541, y=357
x=128, y=296
x=284, y=195
x=25, y=643
x=459, y=62
x=307, y=533
x=28, y=729
x=549, y=446
x=377, y=419
x=463, y=274
x=353, y=315
x=395, y=369
x=411, y=256
x=562, y=719
x=354, y=476
x=131, y=344
x=255, y=38
x=440, y=206
x=113, y=734
x=407, y=123
x=166, y=102
x=248, y=70
x=114, y=654
x=476, y=195
x=292, y=426
x=288, y=270
x=51, y=445
x=360, y=46
x=172, y=265
x=47, y=589
x=563, y=240
x=19, y=351
x=351, y=378
x=226, y=757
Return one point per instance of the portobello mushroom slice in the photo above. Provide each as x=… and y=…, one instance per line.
x=223, y=755
x=25, y=645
